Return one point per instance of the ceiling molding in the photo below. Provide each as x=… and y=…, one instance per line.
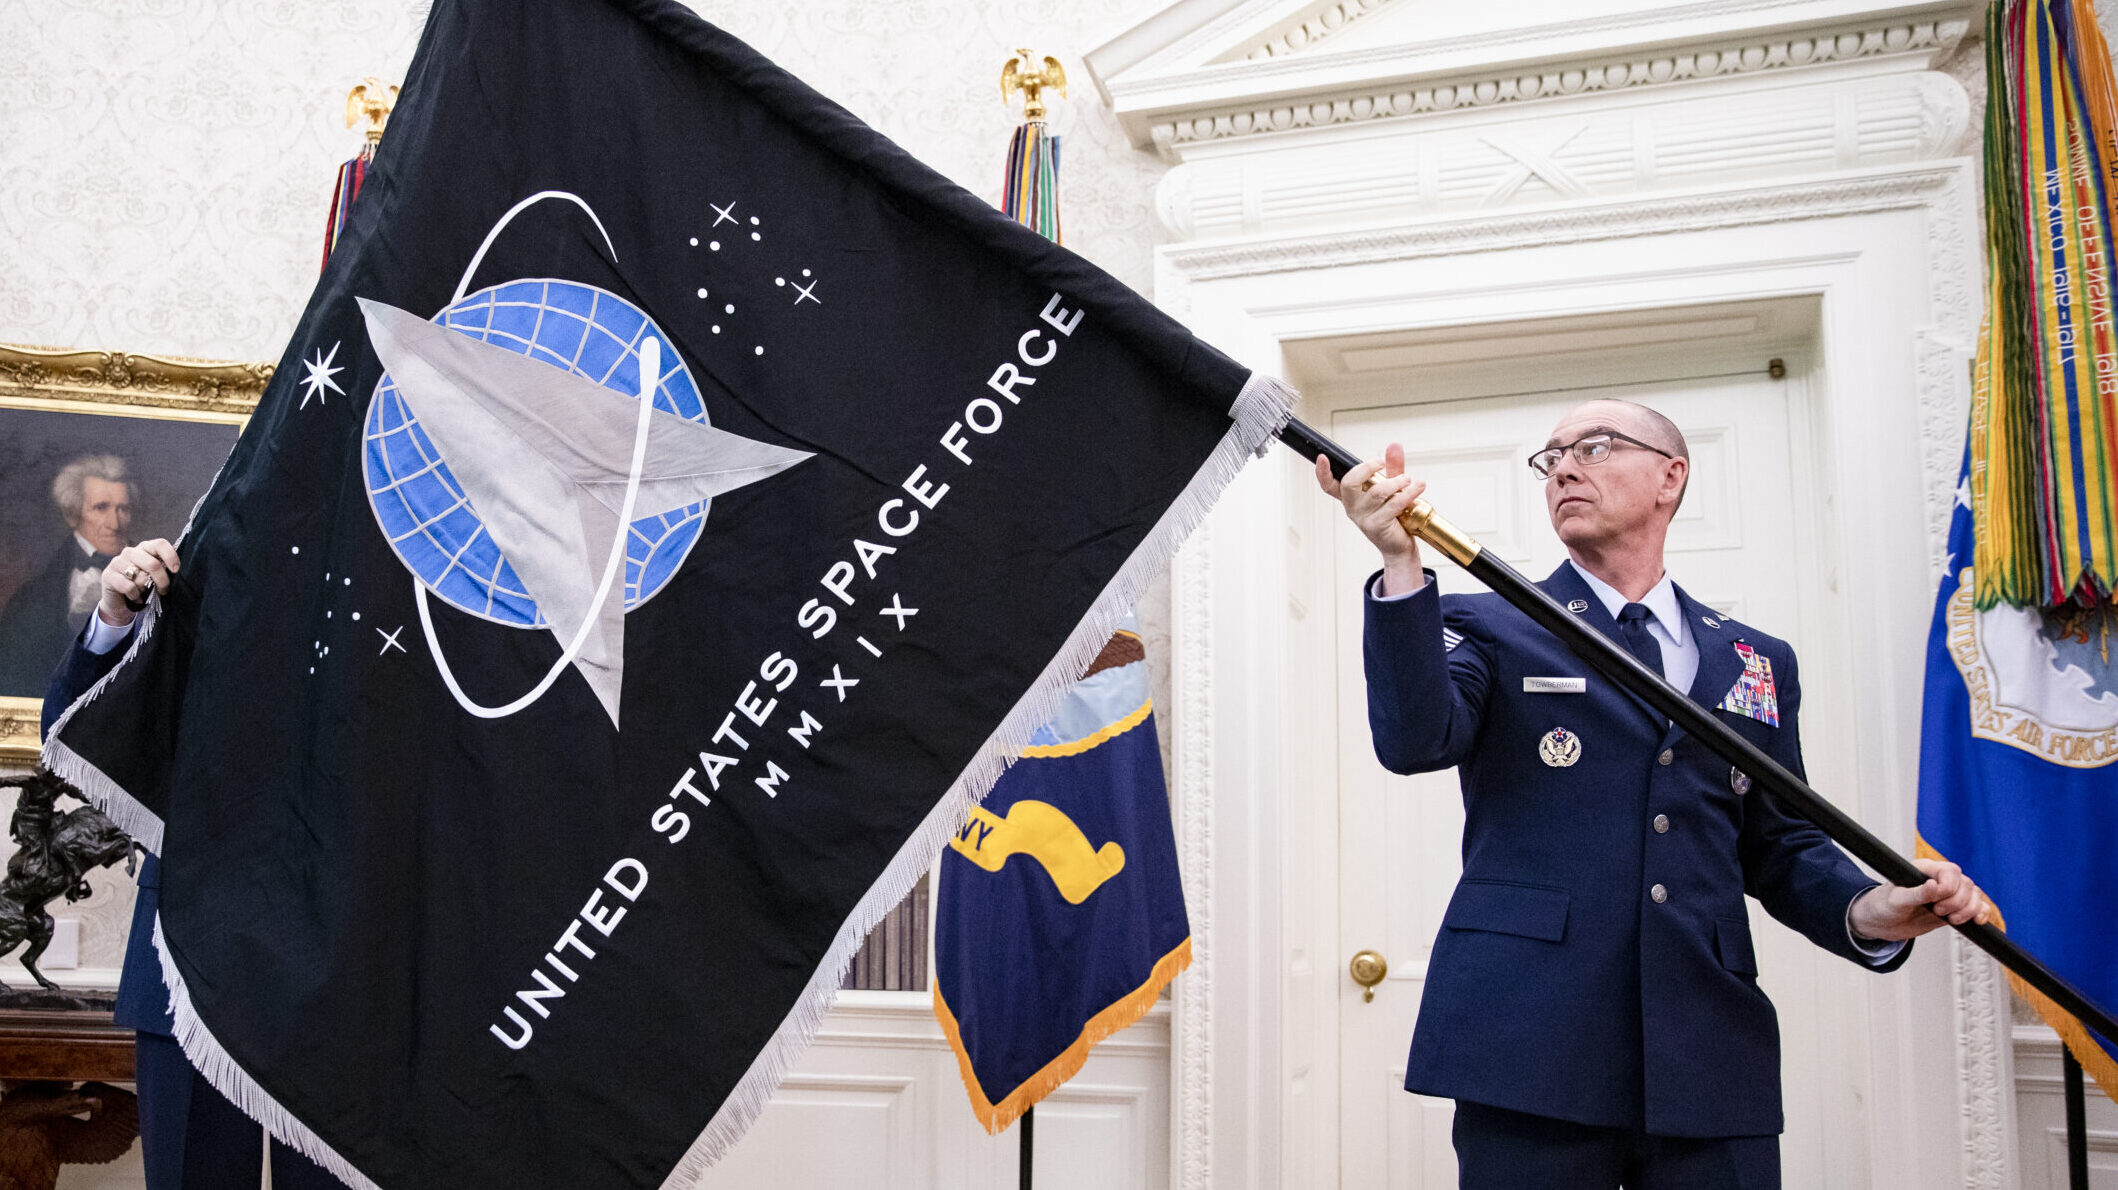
x=1172, y=101
x=1557, y=81
x=1195, y=57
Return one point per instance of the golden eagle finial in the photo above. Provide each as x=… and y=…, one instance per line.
x=372, y=100
x=1023, y=74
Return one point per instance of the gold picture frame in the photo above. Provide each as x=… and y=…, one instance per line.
x=149, y=393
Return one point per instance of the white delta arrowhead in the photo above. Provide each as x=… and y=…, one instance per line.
x=545, y=458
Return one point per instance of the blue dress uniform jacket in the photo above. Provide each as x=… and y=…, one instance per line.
x=1561, y=984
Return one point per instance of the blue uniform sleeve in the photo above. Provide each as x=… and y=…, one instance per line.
x=78, y=670
x=1429, y=671
x=1793, y=868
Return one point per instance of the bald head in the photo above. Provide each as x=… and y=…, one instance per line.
x=1631, y=418
x=1629, y=495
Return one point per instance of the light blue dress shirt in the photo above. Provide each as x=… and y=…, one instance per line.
x=103, y=636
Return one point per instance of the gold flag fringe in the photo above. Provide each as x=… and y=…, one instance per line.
x=997, y=1116
x=2095, y=1060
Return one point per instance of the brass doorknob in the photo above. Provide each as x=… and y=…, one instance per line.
x=1368, y=969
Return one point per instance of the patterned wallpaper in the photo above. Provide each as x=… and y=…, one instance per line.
x=165, y=165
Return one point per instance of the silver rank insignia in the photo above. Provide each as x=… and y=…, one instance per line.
x=1577, y=606
x=1739, y=781
x=1560, y=748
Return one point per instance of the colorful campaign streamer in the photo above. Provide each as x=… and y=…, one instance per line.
x=350, y=176
x=1030, y=195
x=2044, y=432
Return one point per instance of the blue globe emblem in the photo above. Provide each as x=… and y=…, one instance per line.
x=424, y=511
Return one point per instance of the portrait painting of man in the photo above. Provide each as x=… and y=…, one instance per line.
x=75, y=488
x=95, y=500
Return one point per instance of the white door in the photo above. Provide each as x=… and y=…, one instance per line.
x=1733, y=546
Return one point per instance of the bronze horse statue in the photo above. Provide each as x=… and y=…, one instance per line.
x=54, y=853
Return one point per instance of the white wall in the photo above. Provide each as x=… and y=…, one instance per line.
x=165, y=165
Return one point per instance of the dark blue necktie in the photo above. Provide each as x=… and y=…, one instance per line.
x=1632, y=628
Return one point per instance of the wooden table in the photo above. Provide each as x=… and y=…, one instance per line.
x=64, y=1046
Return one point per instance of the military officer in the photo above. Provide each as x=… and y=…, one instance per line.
x=1593, y=1003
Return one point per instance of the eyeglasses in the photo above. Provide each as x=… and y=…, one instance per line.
x=1589, y=448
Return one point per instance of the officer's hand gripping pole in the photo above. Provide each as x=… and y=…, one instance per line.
x=1622, y=667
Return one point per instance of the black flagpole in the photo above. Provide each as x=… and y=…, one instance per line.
x=2077, y=1122
x=1029, y=1145
x=1609, y=658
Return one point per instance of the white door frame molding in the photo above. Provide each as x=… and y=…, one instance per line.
x=1891, y=255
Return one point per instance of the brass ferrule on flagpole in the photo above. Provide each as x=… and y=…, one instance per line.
x=1423, y=522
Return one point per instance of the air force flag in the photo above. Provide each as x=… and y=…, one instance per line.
x=2018, y=779
x=703, y=503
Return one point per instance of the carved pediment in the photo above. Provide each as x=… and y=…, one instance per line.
x=1202, y=70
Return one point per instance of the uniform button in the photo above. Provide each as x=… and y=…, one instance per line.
x=1661, y=824
x=1659, y=893
x=1666, y=757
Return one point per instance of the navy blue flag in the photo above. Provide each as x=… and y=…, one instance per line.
x=675, y=508
x=1061, y=914
x=2018, y=779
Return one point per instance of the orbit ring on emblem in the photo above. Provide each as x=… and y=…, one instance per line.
x=1559, y=748
x=649, y=356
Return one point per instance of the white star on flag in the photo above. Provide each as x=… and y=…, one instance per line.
x=319, y=377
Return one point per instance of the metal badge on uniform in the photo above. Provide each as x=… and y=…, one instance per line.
x=1709, y=621
x=1753, y=695
x=1577, y=606
x=1560, y=748
x=1554, y=685
x=1739, y=781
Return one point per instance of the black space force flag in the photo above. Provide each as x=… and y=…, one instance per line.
x=529, y=758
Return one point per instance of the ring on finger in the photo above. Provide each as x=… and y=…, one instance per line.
x=131, y=572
